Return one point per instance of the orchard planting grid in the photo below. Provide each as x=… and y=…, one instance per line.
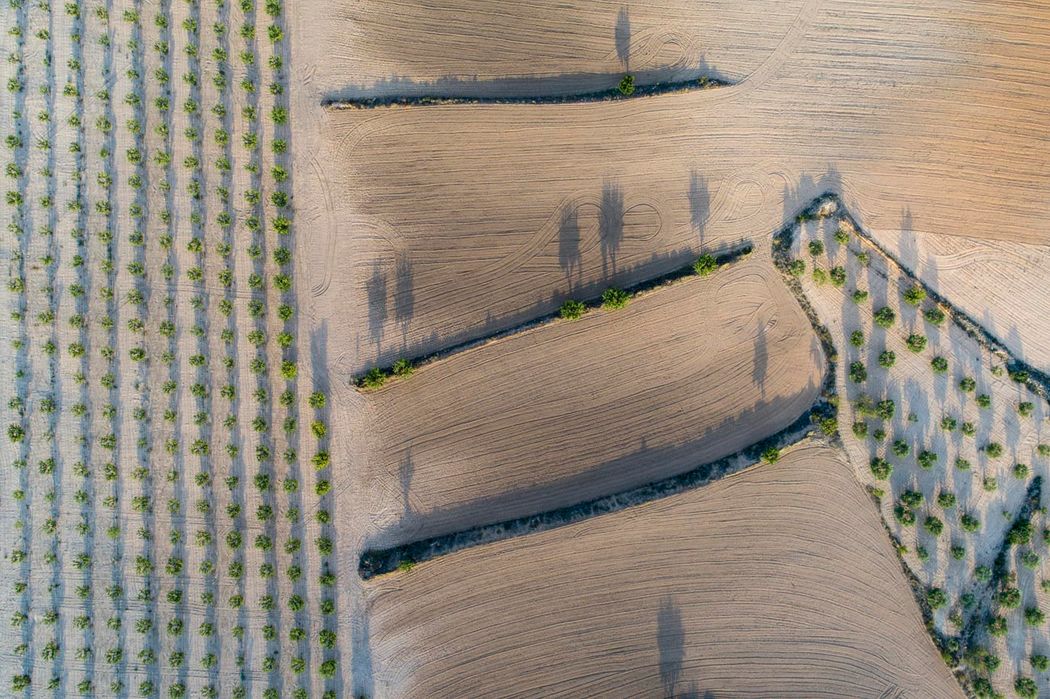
x=165, y=509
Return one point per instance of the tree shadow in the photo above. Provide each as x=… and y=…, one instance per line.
x=670, y=640
x=376, y=290
x=699, y=204
x=758, y=375
x=569, y=255
x=610, y=226
x=623, y=38
x=404, y=295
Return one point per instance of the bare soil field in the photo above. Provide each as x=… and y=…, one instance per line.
x=474, y=47
x=775, y=581
x=850, y=97
x=578, y=409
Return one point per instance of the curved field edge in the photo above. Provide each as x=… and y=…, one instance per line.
x=954, y=648
x=722, y=256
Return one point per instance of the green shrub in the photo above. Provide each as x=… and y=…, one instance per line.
x=402, y=368
x=984, y=400
x=904, y=515
x=705, y=265
x=915, y=295
x=993, y=449
x=939, y=364
x=1044, y=450
x=571, y=310
x=885, y=317
x=1030, y=560
x=946, y=499
x=969, y=429
x=1033, y=616
x=1025, y=408
x=771, y=455
x=948, y=423
x=936, y=598
x=1020, y=533
x=887, y=359
x=820, y=277
x=374, y=378
x=900, y=448
x=933, y=525
x=838, y=277
x=860, y=429
x=626, y=86
x=885, y=409
x=958, y=552
x=1021, y=471
x=968, y=384
x=1026, y=688
x=912, y=498
x=406, y=565
x=816, y=247
x=997, y=626
x=856, y=338
x=860, y=296
x=934, y=316
x=615, y=298
x=927, y=459
x=916, y=343
x=880, y=468
x=1040, y=663
x=797, y=268
x=970, y=523
x=841, y=237
x=857, y=372
x=990, y=484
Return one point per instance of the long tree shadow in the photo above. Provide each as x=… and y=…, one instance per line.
x=670, y=641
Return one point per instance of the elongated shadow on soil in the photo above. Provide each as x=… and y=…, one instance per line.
x=670, y=641
x=758, y=374
x=623, y=38
x=404, y=296
x=569, y=246
x=699, y=204
x=376, y=290
x=610, y=226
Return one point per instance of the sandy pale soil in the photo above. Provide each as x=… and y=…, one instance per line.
x=578, y=409
x=774, y=582
x=451, y=220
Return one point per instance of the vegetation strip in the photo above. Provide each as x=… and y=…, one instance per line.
x=625, y=90
x=612, y=297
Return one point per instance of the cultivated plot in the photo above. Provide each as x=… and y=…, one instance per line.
x=775, y=581
x=573, y=410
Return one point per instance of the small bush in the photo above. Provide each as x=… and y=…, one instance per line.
x=615, y=298
x=860, y=429
x=797, y=268
x=993, y=449
x=990, y=484
x=820, y=277
x=887, y=359
x=402, y=368
x=936, y=598
x=885, y=317
x=841, y=237
x=406, y=566
x=860, y=296
x=997, y=626
x=771, y=455
x=968, y=384
x=912, y=498
x=969, y=429
x=933, y=525
x=946, y=499
x=626, y=86
x=915, y=295
x=1025, y=408
x=857, y=372
x=984, y=400
x=856, y=338
x=904, y=515
x=880, y=468
x=900, y=448
x=1040, y=663
x=816, y=247
x=927, y=459
x=374, y=378
x=970, y=523
x=838, y=277
x=958, y=552
x=1044, y=450
x=916, y=343
x=934, y=316
x=1026, y=688
x=1020, y=533
x=939, y=364
x=571, y=310
x=705, y=265
x=1033, y=616
x=948, y=423
x=1021, y=471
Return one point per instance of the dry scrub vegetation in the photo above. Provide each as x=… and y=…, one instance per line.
x=775, y=581
x=577, y=409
